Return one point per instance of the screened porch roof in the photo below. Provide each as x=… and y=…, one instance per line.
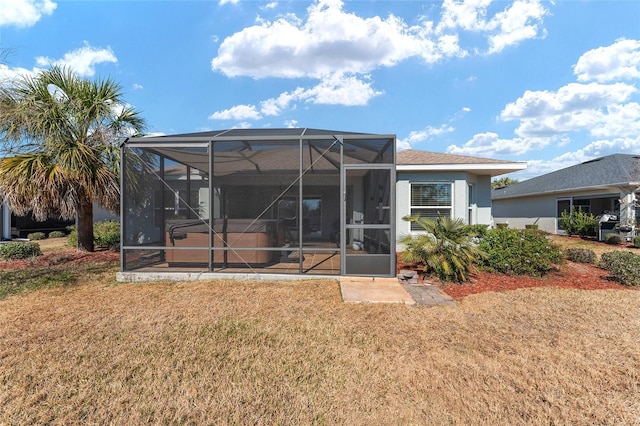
x=266, y=151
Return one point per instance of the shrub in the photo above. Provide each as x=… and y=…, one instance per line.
x=476, y=230
x=612, y=239
x=636, y=242
x=105, y=234
x=623, y=266
x=502, y=225
x=531, y=226
x=581, y=255
x=36, y=236
x=579, y=222
x=519, y=252
x=445, y=248
x=57, y=234
x=19, y=250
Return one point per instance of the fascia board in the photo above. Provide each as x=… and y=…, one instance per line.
x=495, y=169
x=612, y=187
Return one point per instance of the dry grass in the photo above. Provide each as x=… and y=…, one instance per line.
x=53, y=244
x=292, y=353
x=598, y=247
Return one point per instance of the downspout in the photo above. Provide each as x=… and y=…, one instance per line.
x=6, y=222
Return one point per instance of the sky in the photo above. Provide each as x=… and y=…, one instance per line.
x=548, y=83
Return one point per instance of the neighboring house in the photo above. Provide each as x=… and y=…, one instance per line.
x=456, y=186
x=287, y=201
x=605, y=185
x=13, y=226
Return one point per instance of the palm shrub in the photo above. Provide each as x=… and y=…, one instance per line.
x=519, y=252
x=445, y=248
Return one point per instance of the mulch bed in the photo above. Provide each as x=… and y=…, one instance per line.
x=571, y=275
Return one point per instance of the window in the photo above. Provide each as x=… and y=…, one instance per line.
x=430, y=200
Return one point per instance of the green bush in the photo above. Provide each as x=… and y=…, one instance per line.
x=445, y=248
x=623, y=266
x=519, y=252
x=612, y=239
x=636, y=242
x=531, y=226
x=476, y=230
x=57, y=234
x=581, y=255
x=502, y=225
x=10, y=251
x=580, y=223
x=105, y=234
x=36, y=236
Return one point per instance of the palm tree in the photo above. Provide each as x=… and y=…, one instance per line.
x=445, y=247
x=60, y=135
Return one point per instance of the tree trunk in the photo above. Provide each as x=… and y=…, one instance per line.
x=85, y=226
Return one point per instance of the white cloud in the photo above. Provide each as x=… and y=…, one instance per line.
x=8, y=75
x=520, y=21
x=329, y=41
x=593, y=150
x=593, y=107
x=223, y=2
x=490, y=144
x=238, y=112
x=427, y=133
x=290, y=124
x=336, y=89
x=24, y=13
x=137, y=86
x=82, y=60
x=619, y=61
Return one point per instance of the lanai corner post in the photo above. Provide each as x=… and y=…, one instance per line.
x=258, y=202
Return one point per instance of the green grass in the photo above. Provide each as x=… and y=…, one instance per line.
x=15, y=281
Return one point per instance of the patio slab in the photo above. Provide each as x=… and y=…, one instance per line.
x=392, y=290
x=373, y=290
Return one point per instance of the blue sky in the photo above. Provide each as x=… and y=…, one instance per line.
x=549, y=83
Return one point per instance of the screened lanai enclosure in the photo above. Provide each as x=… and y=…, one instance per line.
x=259, y=201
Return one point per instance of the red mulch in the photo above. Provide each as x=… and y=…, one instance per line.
x=66, y=256
x=571, y=275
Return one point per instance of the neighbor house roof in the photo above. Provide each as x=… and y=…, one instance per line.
x=412, y=160
x=617, y=170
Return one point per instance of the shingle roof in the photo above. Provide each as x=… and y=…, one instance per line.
x=411, y=156
x=612, y=170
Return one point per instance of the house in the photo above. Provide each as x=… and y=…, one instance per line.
x=287, y=202
x=605, y=185
x=457, y=186
x=13, y=226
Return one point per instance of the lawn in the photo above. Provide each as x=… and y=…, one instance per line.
x=90, y=350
